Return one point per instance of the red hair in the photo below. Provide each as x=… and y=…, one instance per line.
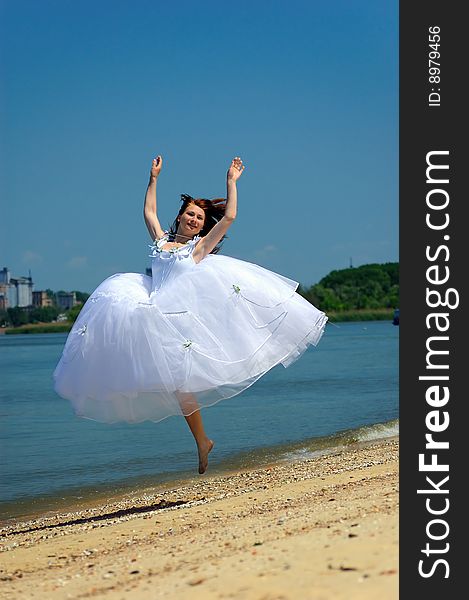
x=213, y=209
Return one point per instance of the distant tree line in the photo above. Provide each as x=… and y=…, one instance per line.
x=372, y=286
x=369, y=287
x=20, y=315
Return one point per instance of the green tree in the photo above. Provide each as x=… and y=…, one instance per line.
x=50, y=294
x=18, y=316
x=73, y=312
x=4, y=318
x=370, y=286
x=43, y=314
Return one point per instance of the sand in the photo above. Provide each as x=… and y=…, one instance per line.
x=321, y=528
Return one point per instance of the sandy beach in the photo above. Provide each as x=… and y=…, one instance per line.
x=321, y=528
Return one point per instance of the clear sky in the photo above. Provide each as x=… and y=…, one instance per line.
x=306, y=92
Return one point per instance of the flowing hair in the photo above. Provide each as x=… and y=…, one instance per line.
x=214, y=210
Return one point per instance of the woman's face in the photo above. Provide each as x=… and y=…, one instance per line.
x=191, y=221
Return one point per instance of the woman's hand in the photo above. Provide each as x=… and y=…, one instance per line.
x=156, y=166
x=235, y=170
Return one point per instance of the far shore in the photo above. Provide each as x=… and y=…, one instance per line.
x=58, y=327
x=323, y=527
x=383, y=314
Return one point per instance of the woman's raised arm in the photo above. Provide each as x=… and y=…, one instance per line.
x=149, y=210
x=208, y=243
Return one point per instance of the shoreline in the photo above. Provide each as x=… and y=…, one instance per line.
x=35, y=328
x=333, y=519
x=76, y=499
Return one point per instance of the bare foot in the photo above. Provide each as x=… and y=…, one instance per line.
x=203, y=455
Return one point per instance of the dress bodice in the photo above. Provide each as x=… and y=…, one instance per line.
x=168, y=264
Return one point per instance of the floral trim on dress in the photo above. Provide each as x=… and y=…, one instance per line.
x=157, y=246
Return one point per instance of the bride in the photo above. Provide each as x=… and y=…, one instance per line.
x=204, y=327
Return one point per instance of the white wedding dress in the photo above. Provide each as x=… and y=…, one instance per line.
x=145, y=348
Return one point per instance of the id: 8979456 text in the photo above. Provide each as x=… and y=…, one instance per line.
x=434, y=71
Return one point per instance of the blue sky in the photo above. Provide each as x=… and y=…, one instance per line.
x=306, y=92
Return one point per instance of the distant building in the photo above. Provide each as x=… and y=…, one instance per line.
x=5, y=275
x=24, y=290
x=12, y=296
x=3, y=297
x=65, y=300
x=5, y=292
x=40, y=298
x=15, y=291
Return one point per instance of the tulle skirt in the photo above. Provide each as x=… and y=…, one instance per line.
x=135, y=354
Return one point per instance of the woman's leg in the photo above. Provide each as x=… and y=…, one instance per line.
x=204, y=444
x=194, y=420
